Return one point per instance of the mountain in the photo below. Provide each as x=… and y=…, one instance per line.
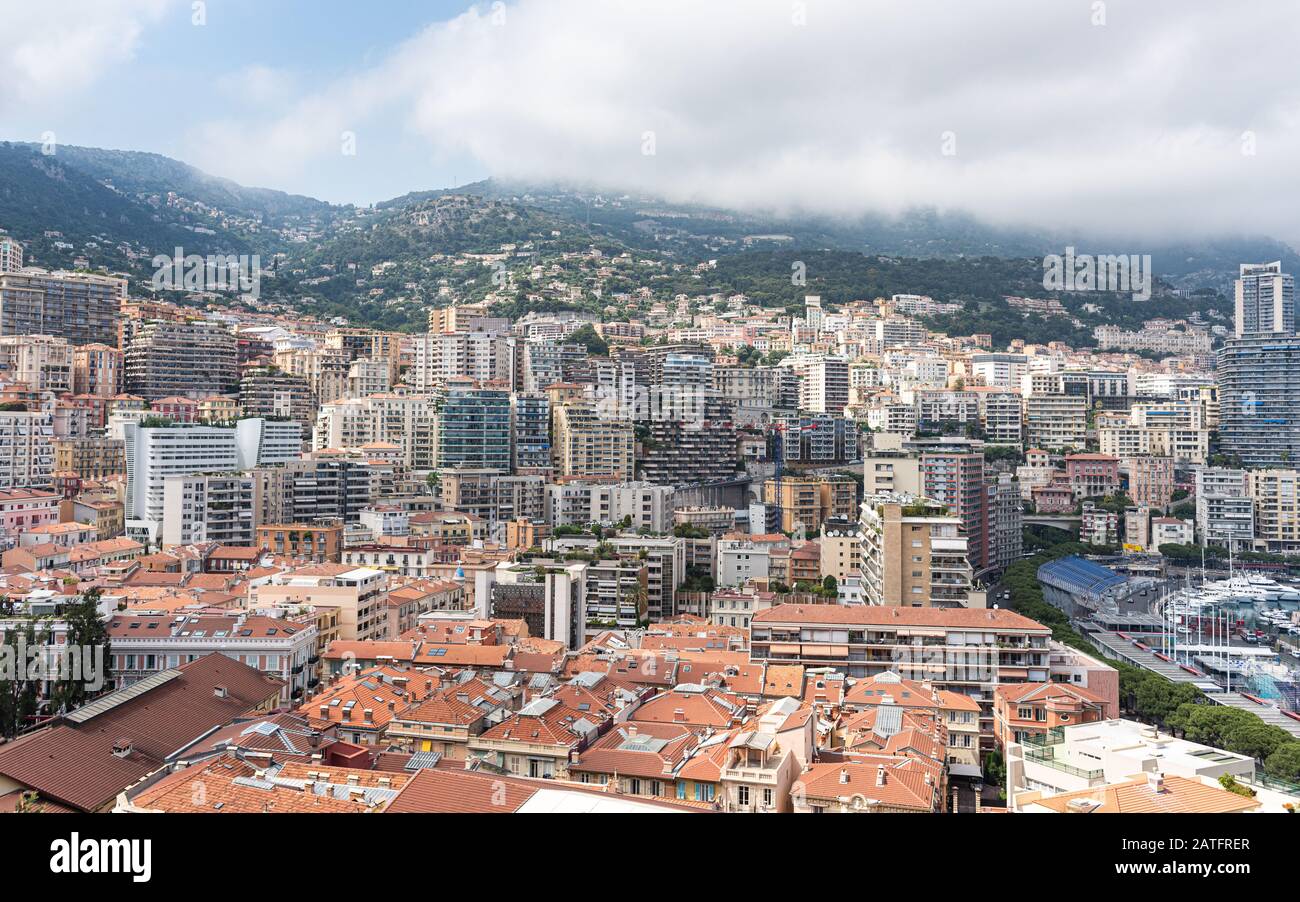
x=692, y=230
x=383, y=264
x=149, y=177
x=61, y=212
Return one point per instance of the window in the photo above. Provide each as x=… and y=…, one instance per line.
x=742, y=796
x=767, y=796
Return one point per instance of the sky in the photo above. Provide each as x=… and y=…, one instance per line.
x=1169, y=118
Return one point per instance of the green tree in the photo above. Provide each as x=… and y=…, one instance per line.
x=1284, y=764
x=88, y=632
x=587, y=336
x=19, y=694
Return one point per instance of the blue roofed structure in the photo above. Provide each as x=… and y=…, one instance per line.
x=1079, y=587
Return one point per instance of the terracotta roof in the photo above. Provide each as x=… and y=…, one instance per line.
x=370, y=649
x=73, y=762
x=1178, y=795
x=436, y=791
x=652, y=750
x=781, y=680
x=875, y=615
x=541, y=723
x=228, y=785
x=693, y=706
x=906, y=694
x=1023, y=692
x=380, y=690
x=446, y=708
x=904, y=784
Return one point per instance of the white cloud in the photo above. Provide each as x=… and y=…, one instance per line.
x=259, y=85
x=52, y=50
x=1134, y=126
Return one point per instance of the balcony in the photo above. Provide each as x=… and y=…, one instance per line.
x=760, y=775
x=1047, y=756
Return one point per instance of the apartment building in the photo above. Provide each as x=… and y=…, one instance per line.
x=43, y=363
x=914, y=554
x=319, y=489
x=1105, y=756
x=816, y=439
x=956, y=712
x=1174, y=429
x=491, y=496
x=1264, y=300
x=1225, y=510
x=97, y=369
x=1092, y=475
x=406, y=421
x=757, y=394
x=1159, y=339
x=472, y=427
x=740, y=560
x=359, y=594
x=1276, y=498
x=224, y=409
x=540, y=740
x=699, y=447
x=806, y=502
x=955, y=480
x=591, y=446
x=26, y=449
x=22, y=509
x=530, y=433
x=208, y=508
x=1150, y=479
x=649, y=506
x=144, y=645
x=893, y=472
x=968, y=651
x=1259, y=400
x=318, y=543
x=271, y=393
x=1006, y=515
x=193, y=359
x=1032, y=710
x=823, y=383
x=1056, y=422
x=81, y=307
x=11, y=254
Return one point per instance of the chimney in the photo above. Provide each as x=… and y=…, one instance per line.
x=880, y=775
x=220, y=691
x=1156, y=782
x=844, y=775
x=631, y=731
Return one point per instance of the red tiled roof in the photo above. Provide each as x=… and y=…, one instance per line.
x=875, y=615
x=74, y=762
